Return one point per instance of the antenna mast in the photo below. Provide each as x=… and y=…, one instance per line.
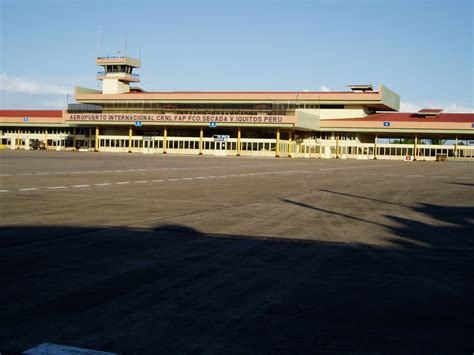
x=125, y=50
x=98, y=40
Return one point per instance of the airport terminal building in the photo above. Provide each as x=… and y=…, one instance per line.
x=360, y=123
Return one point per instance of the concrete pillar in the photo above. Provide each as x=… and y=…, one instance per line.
x=337, y=144
x=201, y=140
x=96, y=138
x=238, y=141
x=74, y=138
x=130, y=134
x=46, y=138
x=415, y=153
x=456, y=146
x=18, y=141
x=290, y=145
x=165, y=140
x=277, y=147
x=375, y=147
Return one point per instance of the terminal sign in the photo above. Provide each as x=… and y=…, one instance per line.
x=25, y=119
x=212, y=120
x=386, y=124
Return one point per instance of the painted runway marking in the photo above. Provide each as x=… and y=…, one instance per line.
x=262, y=174
x=144, y=169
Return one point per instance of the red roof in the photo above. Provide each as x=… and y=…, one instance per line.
x=31, y=113
x=413, y=117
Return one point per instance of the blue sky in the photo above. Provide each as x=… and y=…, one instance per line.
x=423, y=50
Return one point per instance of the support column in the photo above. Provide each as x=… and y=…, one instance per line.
x=96, y=148
x=165, y=140
x=130, y=134
x=18, y=140
x=277, y=147
x=46, y=138
x=300, y=145
x=74, y=138
x=337, y=144
x=201, y=140
x=290, y=145
x=238, y=141
x=375, y=147
x=415, y=153
x=456, y=147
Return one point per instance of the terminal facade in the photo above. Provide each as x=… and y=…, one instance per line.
x=360, y=123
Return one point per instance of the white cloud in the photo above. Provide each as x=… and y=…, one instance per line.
x=22, y=85
x=324, y=88
x=451, y=107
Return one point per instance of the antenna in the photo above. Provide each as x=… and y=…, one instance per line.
x=98, y=40
x=125, y=50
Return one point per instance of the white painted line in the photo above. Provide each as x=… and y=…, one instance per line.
x=140, y=181
x=4, y=190
x=122, y=182
x=415, y=175
x=29, y=189
x=200, y=177
x=103, y=184
x=5, y=175
x=172, y=179
x=463, y=177
x=158, y=180
x=42, y=173
x=57, y=187
x=24, y=174
x=81, y=185
x=187, y=178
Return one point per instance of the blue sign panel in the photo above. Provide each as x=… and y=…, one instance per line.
x=472, y=125
x=25, y=119
x=212, y=124
x=138, y=123
x=386, y=124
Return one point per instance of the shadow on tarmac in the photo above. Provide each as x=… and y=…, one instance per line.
x=176, y=290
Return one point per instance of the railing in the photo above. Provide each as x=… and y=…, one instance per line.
x=120, y=72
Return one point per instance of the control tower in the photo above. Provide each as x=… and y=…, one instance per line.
x=117, y=74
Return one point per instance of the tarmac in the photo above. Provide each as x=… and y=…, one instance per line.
x=145, y=254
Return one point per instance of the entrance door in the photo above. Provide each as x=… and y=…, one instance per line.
x=147, y=145
x=220, y=148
